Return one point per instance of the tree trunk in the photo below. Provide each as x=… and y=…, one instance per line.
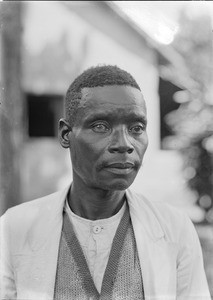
x=11, y=107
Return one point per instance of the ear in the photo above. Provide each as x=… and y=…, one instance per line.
x=63, y=133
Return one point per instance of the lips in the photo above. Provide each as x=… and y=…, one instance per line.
x=120, y=168
x=120, y=165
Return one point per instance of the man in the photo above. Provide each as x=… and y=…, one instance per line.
x=97, y=239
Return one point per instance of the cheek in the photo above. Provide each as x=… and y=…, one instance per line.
x=84, y=152
x=142, y=145
x=145, y=141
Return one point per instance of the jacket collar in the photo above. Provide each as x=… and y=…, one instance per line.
x=50, y=217
x=145, y=214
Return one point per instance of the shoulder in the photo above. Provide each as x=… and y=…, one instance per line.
x=22, y=217
x=173, y=222
x=28, y=222
x=30, y=208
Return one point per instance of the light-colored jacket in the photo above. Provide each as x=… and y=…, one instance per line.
x=168, y=247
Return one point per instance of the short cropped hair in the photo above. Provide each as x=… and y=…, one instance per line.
x=94, y=77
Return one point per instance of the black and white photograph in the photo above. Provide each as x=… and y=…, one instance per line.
x=106, y=150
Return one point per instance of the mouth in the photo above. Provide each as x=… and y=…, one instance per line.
x=120, y=168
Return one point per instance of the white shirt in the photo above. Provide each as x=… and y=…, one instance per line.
x=96, y=238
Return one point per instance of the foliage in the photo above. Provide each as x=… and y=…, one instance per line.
x=192, y=123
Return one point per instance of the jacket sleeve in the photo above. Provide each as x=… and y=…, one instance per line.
x=191, y=278
x=7, y=278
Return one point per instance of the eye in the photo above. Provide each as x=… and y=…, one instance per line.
x=100, y=128
x=138, y=129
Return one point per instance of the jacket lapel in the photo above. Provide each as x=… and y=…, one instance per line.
x=157, y=256
x=39, y=259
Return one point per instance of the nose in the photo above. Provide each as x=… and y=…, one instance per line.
x=120, y=142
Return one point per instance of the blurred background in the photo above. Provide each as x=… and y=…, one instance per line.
x=166, y=45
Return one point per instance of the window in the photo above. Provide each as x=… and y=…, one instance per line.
x=44, y=111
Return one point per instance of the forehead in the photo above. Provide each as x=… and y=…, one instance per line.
x=112, y=98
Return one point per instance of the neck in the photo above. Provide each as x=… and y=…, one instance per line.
x=92, y=203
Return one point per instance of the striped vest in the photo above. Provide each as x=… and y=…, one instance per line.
x=122, y=278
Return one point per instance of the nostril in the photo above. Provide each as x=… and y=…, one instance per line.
x=130, y=150
x=121, y=149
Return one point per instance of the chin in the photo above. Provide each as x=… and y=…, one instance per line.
x=120, y=187
x=117, y=185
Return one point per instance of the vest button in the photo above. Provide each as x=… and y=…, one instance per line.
x=96, y=229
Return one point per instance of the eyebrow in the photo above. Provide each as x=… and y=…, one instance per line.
x=107, y=116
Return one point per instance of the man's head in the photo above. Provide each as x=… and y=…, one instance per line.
x=105, y=128
x=94, y=77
